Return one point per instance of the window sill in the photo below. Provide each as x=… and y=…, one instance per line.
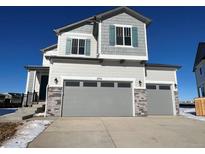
x=74, y=55
x=123, y=46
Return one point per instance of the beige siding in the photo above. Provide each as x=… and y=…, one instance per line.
x=60, y=70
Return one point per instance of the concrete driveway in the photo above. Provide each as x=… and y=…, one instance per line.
x=133, y=132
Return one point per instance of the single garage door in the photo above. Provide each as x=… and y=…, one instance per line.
x=94, y=98
x=159, y=98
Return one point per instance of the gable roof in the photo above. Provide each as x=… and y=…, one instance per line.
x=54, y=46
x=200, y=55
x=103, y=16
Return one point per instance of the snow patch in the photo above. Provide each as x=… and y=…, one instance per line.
x=188, y=113
x=26, y=134
x=39, y=114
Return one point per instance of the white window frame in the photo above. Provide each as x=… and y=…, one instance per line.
x=123, y=26
x=78, y=46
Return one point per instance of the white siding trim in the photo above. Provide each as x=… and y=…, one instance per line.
x=46, y=103
x=171, y=83
x=99, y=38
x=106, y=56
x=145, y=38
x=160, y=82
x=27, y=81
x=79, y=34
x=34, y=81
x=173, y=100
x=103, y=79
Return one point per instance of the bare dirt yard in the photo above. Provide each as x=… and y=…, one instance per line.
x=7, y=130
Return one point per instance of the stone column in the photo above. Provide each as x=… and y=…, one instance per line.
x=54, y=100
x=140, y=96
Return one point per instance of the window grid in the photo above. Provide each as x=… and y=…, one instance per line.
x=78, y=46
x=123, y=36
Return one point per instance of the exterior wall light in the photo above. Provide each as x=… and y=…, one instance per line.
x=56, y=81
x=175, y=85
x=140, y=83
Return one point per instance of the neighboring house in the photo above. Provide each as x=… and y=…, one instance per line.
x=199, y=69
x=99, y=68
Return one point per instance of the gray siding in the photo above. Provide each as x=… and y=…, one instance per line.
x=123, y=19
x=200, y=79
x=86, y=29
x=84, y=32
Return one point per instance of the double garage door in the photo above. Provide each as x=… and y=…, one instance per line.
x=97, y=98
x=159, y=98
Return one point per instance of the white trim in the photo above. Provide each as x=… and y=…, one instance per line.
x=175, y=78
x=73, y=55
x=46, y=102
x=80, y=34
x=78, y=37
x=160, y=82
x=106, y=56
x=123, y=27
x=145, y=36
x=103, y=79
x=173, y=100
x=78, y=47
x=99, y=37
x=133, y=99
x=171, y=83
x=34, y=81
x=124, y=46
x=94, y=78
x=27, y=81
x=144, y=77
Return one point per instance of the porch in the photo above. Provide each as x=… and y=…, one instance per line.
x=37, y=81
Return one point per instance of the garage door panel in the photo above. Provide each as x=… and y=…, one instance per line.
x=97, y=101
x=159, y=101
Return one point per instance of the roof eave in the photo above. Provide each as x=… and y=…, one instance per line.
x=177, y=67
x=104, y=15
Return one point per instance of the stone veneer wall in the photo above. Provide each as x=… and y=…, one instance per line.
x=140, y=96
x=176, y=96
x=54, y=101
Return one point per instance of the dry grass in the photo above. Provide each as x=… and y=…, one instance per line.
x=7, y=130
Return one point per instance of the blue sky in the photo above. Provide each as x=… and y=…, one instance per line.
x=173, y=37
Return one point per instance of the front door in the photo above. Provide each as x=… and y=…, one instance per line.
x=44, y=82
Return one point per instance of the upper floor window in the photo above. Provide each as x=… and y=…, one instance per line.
x=77, y=46
x=123, y=36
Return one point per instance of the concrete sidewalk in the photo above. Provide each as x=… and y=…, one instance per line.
x=110, y=132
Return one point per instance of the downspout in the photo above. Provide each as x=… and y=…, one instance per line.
x=99, y=39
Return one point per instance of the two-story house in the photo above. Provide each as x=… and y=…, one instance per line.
x=199, y=69
x=99, y=68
